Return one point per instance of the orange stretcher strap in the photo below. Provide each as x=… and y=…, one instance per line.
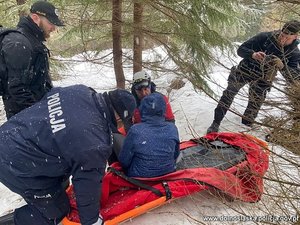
x=65, y=221
x=127, y=215
x=137, y=211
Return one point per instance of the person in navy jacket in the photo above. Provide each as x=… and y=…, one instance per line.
x=68, y=133
x=263, y=55
x=152, y=146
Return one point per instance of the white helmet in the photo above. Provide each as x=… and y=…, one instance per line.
x=140, y=76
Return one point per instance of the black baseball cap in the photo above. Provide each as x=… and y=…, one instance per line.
x=46, y=9
x=291, y=27
x=123, y=102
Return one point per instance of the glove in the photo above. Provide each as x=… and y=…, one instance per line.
x=99, y=222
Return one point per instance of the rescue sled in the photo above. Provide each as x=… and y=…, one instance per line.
x=232, y=163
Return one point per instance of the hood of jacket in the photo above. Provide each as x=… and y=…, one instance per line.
x=153, y=108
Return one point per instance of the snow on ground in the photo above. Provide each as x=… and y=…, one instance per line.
x=194, y=113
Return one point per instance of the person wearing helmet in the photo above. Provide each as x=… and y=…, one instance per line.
x=151, y=147
x=67, y=133
x=143, y=86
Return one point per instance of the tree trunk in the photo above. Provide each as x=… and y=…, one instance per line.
x=117, y=43
x=21, y=2
x=137, y=37
x=21, y=12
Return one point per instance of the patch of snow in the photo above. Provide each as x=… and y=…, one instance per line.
x=193, y=113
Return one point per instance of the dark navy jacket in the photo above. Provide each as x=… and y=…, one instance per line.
x=26, y=60
x=151, y=147
x=267, y=42
x=64, y=134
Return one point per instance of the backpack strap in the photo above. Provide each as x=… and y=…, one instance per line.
x=5, y=31
x=3, y=74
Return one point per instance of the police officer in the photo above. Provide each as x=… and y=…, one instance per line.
x=67, y=133
x=26, y=58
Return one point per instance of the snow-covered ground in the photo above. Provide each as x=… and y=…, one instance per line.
x=194, y=113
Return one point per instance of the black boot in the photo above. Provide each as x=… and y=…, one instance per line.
x=247, y=122
x=214, y=127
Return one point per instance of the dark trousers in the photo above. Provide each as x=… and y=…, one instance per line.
x=257, y=94
x=44, y=207
x=43, y=211
x=47, y=206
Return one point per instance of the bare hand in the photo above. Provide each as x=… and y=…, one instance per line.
x=259, y=56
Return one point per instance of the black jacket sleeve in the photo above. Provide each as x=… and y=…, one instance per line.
x=252, y=45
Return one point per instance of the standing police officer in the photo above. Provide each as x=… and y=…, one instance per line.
x=26, y=58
